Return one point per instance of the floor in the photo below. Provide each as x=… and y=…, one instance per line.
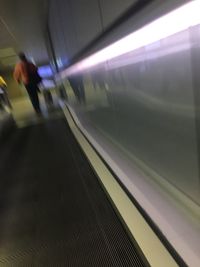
x=53, y=211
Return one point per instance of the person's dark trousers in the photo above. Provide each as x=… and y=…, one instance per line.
x=32, y=90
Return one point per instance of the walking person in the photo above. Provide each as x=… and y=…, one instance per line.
x=26, y=72
x=76, y=82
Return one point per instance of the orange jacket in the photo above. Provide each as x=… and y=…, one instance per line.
x=21, y=73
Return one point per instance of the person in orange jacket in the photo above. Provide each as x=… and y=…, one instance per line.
x=26, y=72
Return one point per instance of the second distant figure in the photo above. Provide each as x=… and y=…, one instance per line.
x=26, y=72
x=76, y=82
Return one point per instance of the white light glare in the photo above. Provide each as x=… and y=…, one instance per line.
x=176, y=21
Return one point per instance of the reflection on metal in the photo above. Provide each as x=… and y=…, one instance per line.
x=174, y=22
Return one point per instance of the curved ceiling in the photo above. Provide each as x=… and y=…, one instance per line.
x=22, y=28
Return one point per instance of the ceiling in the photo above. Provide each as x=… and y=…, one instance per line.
x=22, y=28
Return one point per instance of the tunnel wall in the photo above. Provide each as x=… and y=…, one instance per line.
x=145, y=102
x=74, y=24
x=14, y=90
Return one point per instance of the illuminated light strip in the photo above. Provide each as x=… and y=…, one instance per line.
x=174, y=22
x=143, y=57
